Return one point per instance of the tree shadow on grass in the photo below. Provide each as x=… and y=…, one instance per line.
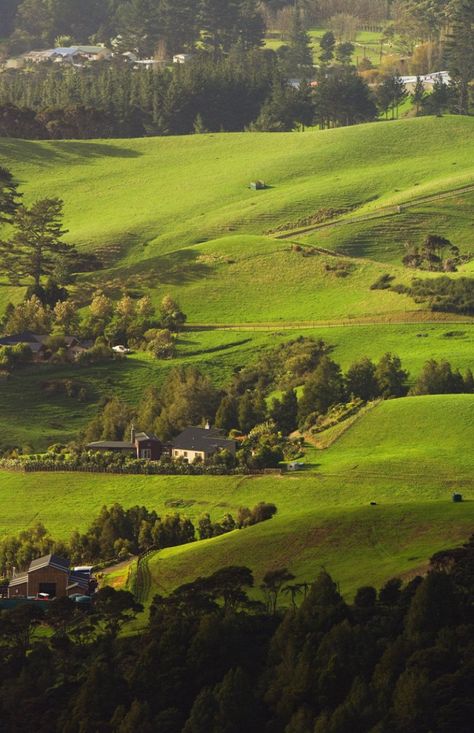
x=50, y=152
x=176, y=268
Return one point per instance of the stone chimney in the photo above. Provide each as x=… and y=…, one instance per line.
x=132, y=435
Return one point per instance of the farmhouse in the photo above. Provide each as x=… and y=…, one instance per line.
x=200, y=443
x=50, y=576
x=38, y=343
x=141, y=445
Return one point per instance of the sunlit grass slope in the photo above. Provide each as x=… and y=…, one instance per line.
x=153, y=196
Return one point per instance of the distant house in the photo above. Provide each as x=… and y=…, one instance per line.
x=200, y=443
x=49, y=576
x=150, y=64
x=38, y=343
x=141, y=445
x=428, y=80
x=70, y=54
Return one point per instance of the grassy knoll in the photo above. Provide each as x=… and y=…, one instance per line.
x=46, y=418
x=360, y=546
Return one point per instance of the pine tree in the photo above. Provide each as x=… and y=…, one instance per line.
x=460, y=51
x=418, y=95
x=327, y=45
x=37, y=244
x=299, y=56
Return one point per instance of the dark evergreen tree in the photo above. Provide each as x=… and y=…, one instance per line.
x=391, y=378
x=324, y=388
x=460, y=51
x=361, y=381
x=418, y=95
x=327, y=45
x=284, y=412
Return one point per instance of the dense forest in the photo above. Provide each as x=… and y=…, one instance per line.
x=231, y=82
x=222, y=655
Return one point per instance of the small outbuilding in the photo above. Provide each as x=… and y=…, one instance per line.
x=141, y=445
x=257, y=185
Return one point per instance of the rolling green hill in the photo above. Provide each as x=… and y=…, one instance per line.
x=153, y=196
x=176, y=215
x=408, y=455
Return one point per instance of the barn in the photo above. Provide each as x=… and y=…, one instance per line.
x=49, y=575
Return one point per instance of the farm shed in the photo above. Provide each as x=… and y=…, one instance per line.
x=48, y=575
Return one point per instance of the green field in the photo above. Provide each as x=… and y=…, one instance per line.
x=368, y=44
x=175, y=215
x=407, y=455
x=149, y=198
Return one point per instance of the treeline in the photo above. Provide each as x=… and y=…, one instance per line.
x=238, y=92
x=244, y=408
x=118, y=533
x=213, y=658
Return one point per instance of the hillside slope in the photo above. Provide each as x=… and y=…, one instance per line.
x=152, y=196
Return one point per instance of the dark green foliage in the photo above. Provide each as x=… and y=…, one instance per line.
x=37, y=245
x=212, y=659
x=343, y=98
x=390, y=94
x=361, y=380
x=284, y=412
x=391, y=378
x=327, y=45
x=324, y=388
x=446, y=294
x=439, y=378
x=9, y=196
x=460, y=51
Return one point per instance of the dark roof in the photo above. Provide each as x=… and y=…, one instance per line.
x=25, y=337
x=78, y=581
x=53, y=561
x=111, y=445
x=203, y=439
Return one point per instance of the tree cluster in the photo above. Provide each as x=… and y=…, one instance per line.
x=214, y=659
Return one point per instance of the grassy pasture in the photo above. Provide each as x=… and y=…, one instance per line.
x=408, y=455
x=151, y=197
x=367, y=45
x=176, y=215
x=385, y=239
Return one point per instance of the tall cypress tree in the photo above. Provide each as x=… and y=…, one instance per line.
x=460, y=51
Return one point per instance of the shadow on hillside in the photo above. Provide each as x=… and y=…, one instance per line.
x=176, y=268
x=49, y=152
